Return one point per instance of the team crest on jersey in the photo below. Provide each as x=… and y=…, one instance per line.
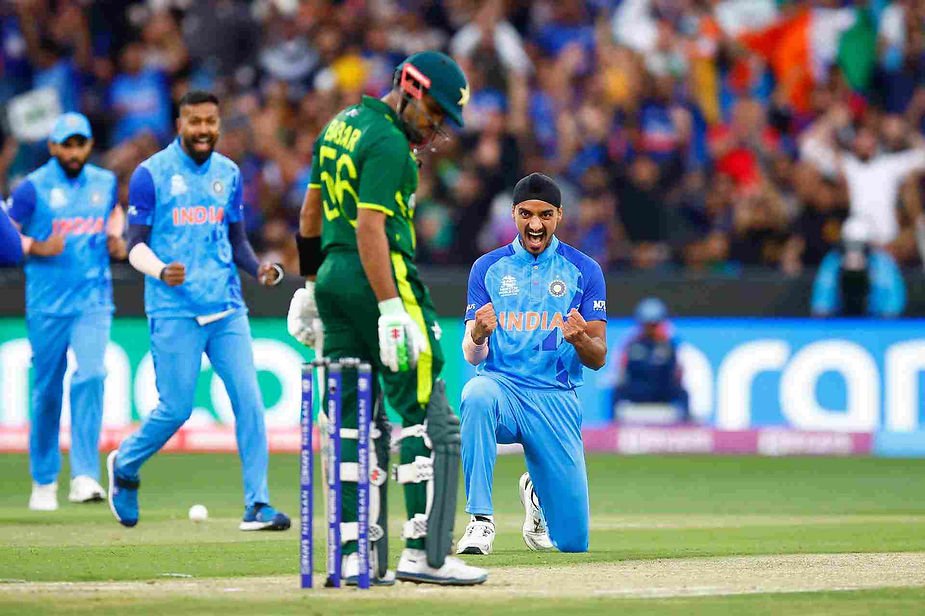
x=57, y=198
x=508, y=286
x=557, y=288
x=217, y=187
x=96, y=198
x=177, y=185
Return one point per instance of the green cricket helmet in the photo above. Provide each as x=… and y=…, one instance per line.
x=437, y=74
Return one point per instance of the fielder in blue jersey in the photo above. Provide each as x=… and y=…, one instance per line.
x=70, y=222
x=186, y=233
x=535, y=315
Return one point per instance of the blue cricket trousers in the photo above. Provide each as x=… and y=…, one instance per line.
x=548, y=425
x=50, y=336
x=177, y=345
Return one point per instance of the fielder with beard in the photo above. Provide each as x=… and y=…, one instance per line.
x=186, y=233
x=71, y=224
x=535, y=315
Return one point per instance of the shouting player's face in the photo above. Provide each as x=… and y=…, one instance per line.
x=198, y=126
x=536, y=222
x=72, y=153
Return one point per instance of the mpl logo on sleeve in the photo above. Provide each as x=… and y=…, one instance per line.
x=508, y=286
x=599, y=304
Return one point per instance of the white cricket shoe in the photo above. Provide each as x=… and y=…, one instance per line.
x=351, y=571
x=413, y=567
x=535, y=534
x=86, y=489
x=44, y=497
x=478, y=538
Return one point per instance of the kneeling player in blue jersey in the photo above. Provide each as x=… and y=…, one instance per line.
x=186, y=233
x=536, y=314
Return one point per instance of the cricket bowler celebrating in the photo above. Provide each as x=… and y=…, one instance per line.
x=535, y=314
x=357, y=234
x=71, y=224
x=186, y=233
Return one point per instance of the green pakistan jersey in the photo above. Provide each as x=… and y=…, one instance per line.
x=362, y=160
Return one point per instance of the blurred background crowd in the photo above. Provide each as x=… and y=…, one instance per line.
x=709, y=135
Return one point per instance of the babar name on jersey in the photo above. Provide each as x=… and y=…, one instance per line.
x=341, y=134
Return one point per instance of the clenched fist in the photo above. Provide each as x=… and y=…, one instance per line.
x=575, y=327
x=173, y=274
x=485, y=323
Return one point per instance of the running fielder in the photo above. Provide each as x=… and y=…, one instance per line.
x=357, y=235
x=186, y=233
x=535, y=314
x=71, y=224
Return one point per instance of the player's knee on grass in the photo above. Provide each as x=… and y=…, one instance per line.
x=573, y=542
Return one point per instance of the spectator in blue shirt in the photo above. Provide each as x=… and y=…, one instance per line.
x=649, y=368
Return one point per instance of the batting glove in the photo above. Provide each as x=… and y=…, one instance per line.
x=302, y=321
x=401, y=341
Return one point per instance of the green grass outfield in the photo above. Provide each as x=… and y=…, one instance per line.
x=643, y=509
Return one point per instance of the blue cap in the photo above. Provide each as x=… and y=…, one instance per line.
x=651, y=310
x=68, y=125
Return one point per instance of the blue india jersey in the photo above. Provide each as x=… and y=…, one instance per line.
x=188, y=207
x=49, y=202
x=531, y=296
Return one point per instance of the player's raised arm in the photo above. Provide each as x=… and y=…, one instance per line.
x=481, y=319
x=589, y=339
x=585, y=327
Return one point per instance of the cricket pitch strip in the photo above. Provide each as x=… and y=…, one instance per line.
x=655, y=578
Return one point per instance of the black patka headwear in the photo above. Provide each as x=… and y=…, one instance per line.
x=537, y=186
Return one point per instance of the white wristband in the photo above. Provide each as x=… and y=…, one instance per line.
x=145, y=261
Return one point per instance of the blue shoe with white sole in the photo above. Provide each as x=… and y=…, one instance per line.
x=123, y=494
x=261, y=516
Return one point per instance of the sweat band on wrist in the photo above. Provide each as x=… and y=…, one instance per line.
x=309, y=254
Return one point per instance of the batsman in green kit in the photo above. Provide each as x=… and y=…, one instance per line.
x=363, y=298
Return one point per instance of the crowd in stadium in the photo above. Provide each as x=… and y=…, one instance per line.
x=698, y=134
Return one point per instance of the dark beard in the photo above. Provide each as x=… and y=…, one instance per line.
x=71, y=173
x=198, y=157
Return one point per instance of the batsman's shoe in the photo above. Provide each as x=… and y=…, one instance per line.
x=123, y=494
x=413, y=567
x=261, y=516
x=535, y=534
x=85, y=489
x=44, y=497
x=478, y=538
x=352, y=572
